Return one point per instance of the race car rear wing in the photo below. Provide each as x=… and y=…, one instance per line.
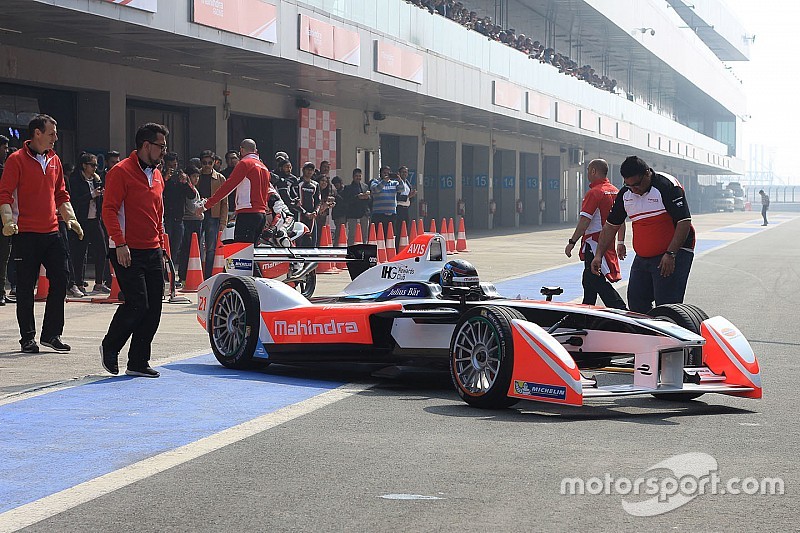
x=241, y=258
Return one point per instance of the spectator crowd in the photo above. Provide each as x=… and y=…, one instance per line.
x=315, y=198
x=534, y=49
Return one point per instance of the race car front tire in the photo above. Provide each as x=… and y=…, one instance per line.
x=689, y=317
x=234, y=322
x=482, y=356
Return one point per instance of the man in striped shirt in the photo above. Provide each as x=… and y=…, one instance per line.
x=384, y=199
x=663, y=235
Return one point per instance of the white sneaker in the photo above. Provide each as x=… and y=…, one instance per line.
x=75, y=292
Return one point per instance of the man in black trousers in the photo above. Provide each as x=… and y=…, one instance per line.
x=136, y=243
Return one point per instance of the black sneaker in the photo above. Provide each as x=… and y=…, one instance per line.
x=56, y=344
x=145, y=372
x=109, y=363
x=30, y=347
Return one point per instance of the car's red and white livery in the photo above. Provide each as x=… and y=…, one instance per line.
x=499, y=350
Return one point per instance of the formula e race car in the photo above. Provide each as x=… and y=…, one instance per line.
x=421, y=307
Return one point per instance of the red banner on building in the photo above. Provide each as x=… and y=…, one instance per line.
x=332, y=42
x=507, y=95
x=251, y=18
x=395, y=61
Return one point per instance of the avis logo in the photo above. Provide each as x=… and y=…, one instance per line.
x=416, y=249
x=396, y=272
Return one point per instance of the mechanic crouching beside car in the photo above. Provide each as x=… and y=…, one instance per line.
x=663, y=236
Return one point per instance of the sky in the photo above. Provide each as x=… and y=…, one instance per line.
x=772, y=90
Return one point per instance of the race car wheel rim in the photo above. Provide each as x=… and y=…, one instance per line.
x=229, y=324
x=477, y=356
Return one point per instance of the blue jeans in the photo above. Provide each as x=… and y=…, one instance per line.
x=174, y=228
x=647, y=284
x=210, y=234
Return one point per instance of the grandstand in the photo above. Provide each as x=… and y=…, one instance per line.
x=494, y=105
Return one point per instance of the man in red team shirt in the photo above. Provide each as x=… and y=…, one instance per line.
x=133, y=212
x=595, y=208
x=31, y=190
x=663, y=235
x=250, y=178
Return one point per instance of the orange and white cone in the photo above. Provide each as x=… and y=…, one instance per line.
x=381, y=244
x=42, y=285
x=194, y=272
x=420, y=227
x=433, y=226
x=391, y=251
x=461, y=241
x=403, y=236
x=325, y=241
x=414, y=234
x=373, y=239
x=219, y=258
x=113, y=297
x=443, y=232
x=342, y=243
x=451, y=237
x=359, y=238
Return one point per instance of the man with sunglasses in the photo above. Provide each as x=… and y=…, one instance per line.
x=133, y=212
x=210, y=182
x=663, y=235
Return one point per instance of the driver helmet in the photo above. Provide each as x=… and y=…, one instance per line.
x=459, y=273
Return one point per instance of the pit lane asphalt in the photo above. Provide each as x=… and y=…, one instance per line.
x=328, y=469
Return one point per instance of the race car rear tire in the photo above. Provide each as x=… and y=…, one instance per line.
x=234, y=322
x=482, y=356
x=689, y=317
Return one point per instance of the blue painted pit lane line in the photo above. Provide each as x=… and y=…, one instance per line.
x=738, y=230
x=568, y=277
x=58, y=440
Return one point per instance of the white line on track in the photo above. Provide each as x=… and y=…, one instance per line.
x=59, y=502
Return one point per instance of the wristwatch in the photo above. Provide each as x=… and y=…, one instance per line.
x=573, y=242
x=671, y=254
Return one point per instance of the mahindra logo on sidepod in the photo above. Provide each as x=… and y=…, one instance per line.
x=309, y=327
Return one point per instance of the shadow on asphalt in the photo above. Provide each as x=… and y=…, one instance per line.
x=659, y=412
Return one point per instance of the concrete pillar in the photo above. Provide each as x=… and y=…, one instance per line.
x=467, y=182
x=481, y=163
x=449, y=166
x=551, y=188
x=118, y=118
x=530, y=188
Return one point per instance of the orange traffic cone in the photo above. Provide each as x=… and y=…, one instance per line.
x=373, y=239
x=219, y=258
x=381, y=244
x=359, y=239
x=113, y=297
x=461, y=242
x=414, y=234
x=403, y=236
x=420, y=227
x=451, y=237
x=342, y=243
x=443, y=231
x=194, y=272
x=324, y=242
x=42, y=286
x=391, y=251
x=433, y=226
